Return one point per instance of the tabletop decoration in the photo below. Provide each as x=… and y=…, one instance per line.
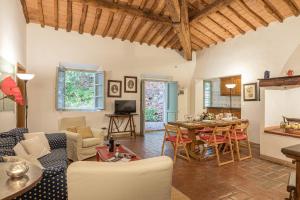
x=17, y=169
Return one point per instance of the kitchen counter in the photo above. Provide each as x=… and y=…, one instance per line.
x=280, y=131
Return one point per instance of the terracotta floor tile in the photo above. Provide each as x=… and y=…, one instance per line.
x=253, y=179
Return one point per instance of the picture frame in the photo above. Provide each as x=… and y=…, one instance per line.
x=114, y=88
x=250, y=92
x=130, y=84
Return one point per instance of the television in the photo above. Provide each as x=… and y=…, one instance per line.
x=125, y=106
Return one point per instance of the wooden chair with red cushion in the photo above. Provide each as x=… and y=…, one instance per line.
x=174, y=136
x=219, y=136
x=239, y=134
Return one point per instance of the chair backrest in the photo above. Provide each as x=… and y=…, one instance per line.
x=219, y=130
x=173, y=130
x=69, y=122
x=147, y=179
x=243, y=127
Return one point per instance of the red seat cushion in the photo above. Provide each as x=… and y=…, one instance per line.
x=173, y=139
x=219, y=138
x=205, y=130
x=239, y=136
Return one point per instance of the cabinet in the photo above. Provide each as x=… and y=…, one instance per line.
x=229, y=80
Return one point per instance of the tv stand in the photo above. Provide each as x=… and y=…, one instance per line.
x=113, y=127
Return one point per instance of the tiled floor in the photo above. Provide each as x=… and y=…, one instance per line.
x=248, y=179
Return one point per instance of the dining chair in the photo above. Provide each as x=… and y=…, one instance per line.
x=239, y=134
x=174, y=136
x=216, y=139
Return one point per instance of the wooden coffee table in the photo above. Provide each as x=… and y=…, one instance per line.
x=12, y=188
x=103, y=153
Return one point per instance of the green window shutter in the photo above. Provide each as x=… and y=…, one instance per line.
x=60, y=90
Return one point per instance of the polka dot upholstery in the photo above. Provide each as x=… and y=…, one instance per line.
x=53, y=185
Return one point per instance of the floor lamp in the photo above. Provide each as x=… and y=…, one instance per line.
x=26, y=78
x=230, y=86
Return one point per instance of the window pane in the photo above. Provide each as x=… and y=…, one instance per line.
x=79, y=90
x=207, y=86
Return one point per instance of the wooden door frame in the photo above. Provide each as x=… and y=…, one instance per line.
x=20, y=110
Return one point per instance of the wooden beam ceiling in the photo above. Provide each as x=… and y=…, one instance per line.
x=183, y=25
x=210, y=9
x=128, y=10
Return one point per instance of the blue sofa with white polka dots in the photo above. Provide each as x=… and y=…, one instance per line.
x=54, y=183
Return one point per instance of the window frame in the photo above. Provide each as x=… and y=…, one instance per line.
x=63, y=68
x=210, y=82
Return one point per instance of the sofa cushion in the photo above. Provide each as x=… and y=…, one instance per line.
x=57, y=157
x=89, y=142
x=7, y=142
x=85, y=132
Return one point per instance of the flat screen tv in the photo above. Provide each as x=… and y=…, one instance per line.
x=125, y=106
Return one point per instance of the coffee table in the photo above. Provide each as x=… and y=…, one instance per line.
x=103, y=153
x=12, y=188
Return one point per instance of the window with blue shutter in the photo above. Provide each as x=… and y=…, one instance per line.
x=81, y=90
x=207, y=94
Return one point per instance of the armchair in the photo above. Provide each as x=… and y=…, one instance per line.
x=147, y=179
x=79, y=148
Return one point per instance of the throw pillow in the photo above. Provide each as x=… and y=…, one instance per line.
x=72, y=129
x=20, y=151
x=85, y=132
x=35, y=147
x=42, y=137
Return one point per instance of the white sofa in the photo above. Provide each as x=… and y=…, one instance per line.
x=147, y=179
x=77, y=147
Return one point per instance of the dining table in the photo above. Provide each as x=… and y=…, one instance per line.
x=193, y=128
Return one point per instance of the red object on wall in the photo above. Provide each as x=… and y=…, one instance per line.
x=11, y=90
x=290, y=72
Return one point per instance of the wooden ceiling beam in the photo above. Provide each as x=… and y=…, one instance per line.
x=137, y=29
x=199, y=32
x=41, y=13
x=220, y=26
x=85, y=8
x=120, y=23
x=69, y=15
x=258, y=18
x=96, y=21
x=163, y=38
x=25, y=10
x=196, y=40
x=211, y=32
x=271, y=9
x=196, y=46
x=293, y=7
x=182, y=29
x=238, y=28
x=56, y=14
x=156, y=34
x=210, y=9
x=128, y=29
x=146, y=33
x=108, y=24
x=173, y=42
x=169, y=39
x=174, y=10
x=243, y=19
x=128, y=10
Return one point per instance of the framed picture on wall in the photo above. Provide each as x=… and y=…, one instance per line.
x=130, y=83
x=114, y=88
x=250, y=92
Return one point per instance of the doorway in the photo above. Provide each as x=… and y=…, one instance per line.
x=159, y=104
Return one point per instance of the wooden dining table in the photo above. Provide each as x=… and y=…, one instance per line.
x=193, y=126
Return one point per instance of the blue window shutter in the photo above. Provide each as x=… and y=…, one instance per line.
x=60, y=96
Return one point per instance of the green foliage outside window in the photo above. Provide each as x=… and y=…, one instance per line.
x=151, y=115
x=79, y=89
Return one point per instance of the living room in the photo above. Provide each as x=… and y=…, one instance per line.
x=255, y=40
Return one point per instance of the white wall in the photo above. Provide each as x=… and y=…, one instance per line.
x=250, y=55
x=12, y=45
x=47, y=47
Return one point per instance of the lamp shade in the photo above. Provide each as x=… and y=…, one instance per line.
x=230, y=85
x=25, y=77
